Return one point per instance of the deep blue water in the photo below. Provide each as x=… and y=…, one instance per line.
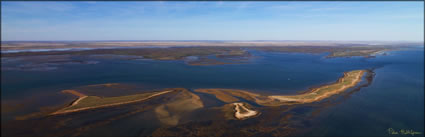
x=274, y=72
x=394, y=100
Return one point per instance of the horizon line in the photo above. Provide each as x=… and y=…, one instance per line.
x=211, y=40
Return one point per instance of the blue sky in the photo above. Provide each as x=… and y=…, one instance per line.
x=388, y=21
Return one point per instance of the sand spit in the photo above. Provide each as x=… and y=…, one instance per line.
x=349, y=80
x=242, y=112
x=82, y=96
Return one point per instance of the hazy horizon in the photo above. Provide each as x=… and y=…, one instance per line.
x=418, y=41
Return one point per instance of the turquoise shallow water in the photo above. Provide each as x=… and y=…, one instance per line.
x=395, y=98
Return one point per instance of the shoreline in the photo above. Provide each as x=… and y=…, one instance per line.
x=324, y=95
x=349, y=80
x=249, y=113
x=316, y=94
x=64, y=111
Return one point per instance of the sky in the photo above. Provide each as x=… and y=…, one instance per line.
x=217, y=20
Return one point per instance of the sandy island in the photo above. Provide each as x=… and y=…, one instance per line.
x=349, y=80
x=242, y=112
x=93, y=102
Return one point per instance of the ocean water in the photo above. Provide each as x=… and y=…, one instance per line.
x=395, y=98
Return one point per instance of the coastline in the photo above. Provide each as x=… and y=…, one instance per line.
x=324, y=95
x=64, y=111
x=314, y=95
x=248, y=113
x=348, y=80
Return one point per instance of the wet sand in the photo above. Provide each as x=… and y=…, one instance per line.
x=247, y=113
